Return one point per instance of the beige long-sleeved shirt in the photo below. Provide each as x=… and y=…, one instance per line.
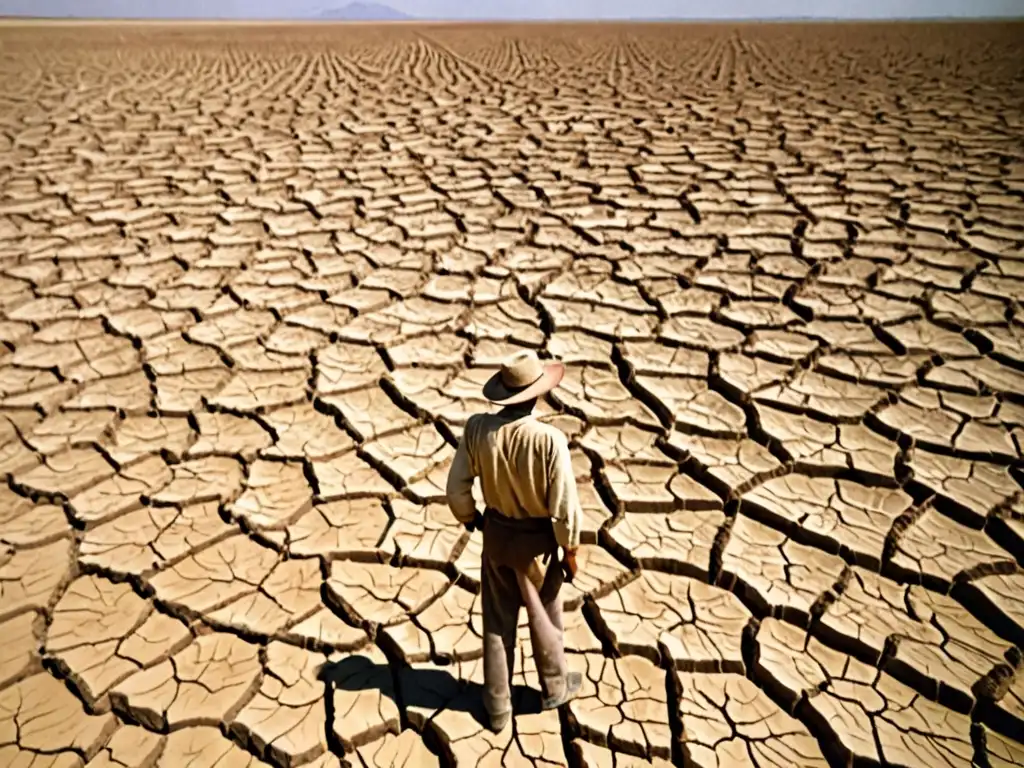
x=525, y=470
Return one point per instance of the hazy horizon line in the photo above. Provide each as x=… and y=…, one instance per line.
x=521, y=19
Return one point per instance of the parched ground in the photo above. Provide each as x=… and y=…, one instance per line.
x=251, y=280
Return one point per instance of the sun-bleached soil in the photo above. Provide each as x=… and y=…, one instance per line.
x=251, y=281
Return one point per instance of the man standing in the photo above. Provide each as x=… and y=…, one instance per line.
x=532, y=509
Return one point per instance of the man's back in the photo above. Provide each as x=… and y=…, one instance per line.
x=514, y=459
x=525, y=471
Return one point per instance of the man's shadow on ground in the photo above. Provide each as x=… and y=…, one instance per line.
x=424, y=691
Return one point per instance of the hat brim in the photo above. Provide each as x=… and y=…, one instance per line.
x=496, y=391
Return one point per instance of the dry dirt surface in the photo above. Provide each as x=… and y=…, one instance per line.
x=251, y=281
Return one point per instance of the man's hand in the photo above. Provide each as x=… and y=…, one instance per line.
x=476, y=524
x=569, y=565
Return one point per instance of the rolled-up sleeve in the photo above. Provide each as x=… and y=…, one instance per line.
x=563, y=497
x=459, y=488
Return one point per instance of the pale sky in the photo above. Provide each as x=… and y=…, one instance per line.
x=527, y=9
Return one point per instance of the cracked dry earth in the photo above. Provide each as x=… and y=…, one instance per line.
x=251, y=281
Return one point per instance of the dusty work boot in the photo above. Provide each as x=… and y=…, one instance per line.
x=499, y=722
x=573, y=683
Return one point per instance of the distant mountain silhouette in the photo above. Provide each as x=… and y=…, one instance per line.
x=364, y=12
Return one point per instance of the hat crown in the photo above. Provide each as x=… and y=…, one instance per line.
x=521, y=369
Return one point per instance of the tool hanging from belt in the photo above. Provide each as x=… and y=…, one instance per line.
x=566, y=571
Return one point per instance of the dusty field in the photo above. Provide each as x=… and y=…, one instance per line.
x=253, y=277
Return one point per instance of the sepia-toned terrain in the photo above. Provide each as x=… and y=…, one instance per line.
x=252, y=278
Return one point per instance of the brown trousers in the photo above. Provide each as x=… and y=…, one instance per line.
x=512, y=577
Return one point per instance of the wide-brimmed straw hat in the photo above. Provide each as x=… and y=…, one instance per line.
x=523, y=377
